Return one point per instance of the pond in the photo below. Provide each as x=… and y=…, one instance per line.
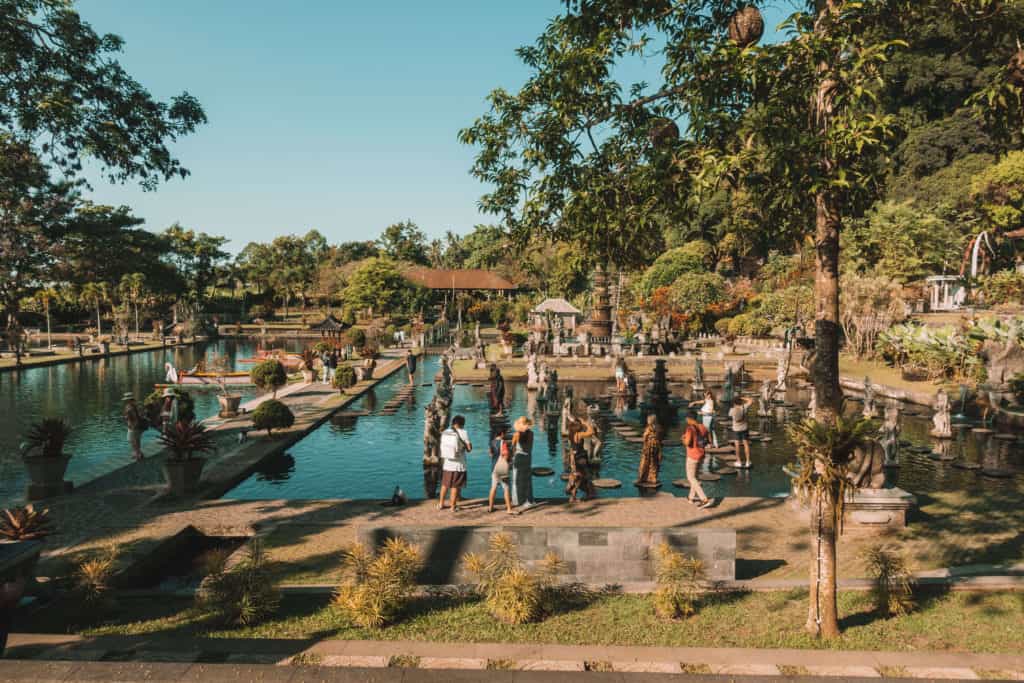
x=365, y=456
x=88, y=395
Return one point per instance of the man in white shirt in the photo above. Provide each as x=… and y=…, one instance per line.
x=454, y=446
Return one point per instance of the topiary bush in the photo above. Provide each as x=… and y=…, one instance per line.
x=344, y=377
x=271, y=415
x=377, y=587
x=269, y=375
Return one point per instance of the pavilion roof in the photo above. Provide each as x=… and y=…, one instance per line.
x=467, y=278
x=329, y=324
x=557, y=305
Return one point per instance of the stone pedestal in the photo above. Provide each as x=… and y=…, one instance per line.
x=880, y=508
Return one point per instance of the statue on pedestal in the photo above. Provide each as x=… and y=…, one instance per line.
x=942, y=424
x=594, y=444
x=729, y=390
x=888, y=435
x=496, y=392
x=698, y=375
x=532, y=373
x=780, y=375
x=869, y=399
x=584, y=347
x=431, y=434
x=767, y=391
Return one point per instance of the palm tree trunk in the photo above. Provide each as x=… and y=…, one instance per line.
x=823, y=611
x=49, y=333
x=99, y=322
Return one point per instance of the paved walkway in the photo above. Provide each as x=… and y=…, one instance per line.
x=198, y=659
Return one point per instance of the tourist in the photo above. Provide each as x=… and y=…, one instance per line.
x=136, y=424
x=410, y=365
x=332, y=364
x=455, y=444
x=650, y=455
x=501, y=454
x=579, y=463
x=169, y=410
x=325, y=361
x=620, y=375
x=522, y=463
x=695, y=439
x=740, y=429
x=707, y=414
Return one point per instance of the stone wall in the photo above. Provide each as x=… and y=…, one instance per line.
x=592, y=555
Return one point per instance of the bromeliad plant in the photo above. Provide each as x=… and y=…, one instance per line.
x=186, y=440
x=48, y=437
x=25, y=524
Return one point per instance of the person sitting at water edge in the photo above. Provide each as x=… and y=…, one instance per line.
x=455, y=444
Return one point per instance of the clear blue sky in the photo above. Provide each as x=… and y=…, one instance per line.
x=339, y=115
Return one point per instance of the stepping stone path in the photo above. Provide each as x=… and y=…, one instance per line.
x=720, y=449
x=635, y=439
x=607, y=483
x=708, y=476
x=725, y=471
x=681, y=483
x=542, y=471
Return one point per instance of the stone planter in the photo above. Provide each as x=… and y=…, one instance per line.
x=183, y=475
x=46, y=476
x=229, y=405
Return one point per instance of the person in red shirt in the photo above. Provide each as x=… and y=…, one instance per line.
x=695, y=439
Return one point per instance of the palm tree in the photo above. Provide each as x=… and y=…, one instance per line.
x=45, y=297
x=132, y=287
x=96, y=293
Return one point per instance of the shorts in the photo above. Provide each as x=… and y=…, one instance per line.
x=453, y=480
x=499, y=475
x=743, y=435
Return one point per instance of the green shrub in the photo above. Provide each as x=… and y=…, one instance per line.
x=679, y=580
x=271, y=415
x=242, y=595
x=261, y=312
x=269, y=375
x=389, y=334
x=321, y=346
x=186, y=405
x=377, y=587
x=890, y=581
x=357, y=337
x=511, y=592
x=344, y=377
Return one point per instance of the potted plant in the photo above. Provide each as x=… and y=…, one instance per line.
x=271, y=415
x=22, y=530
x=229, y=402
x=269, y=375
x=182, y=468
x=44, y=457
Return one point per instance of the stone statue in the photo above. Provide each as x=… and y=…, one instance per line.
x=431, y=434
x=942, y=427
x=767, y=391
x=476, y=332
x=988, y=401
x=729, y=390
x=532, y=373
x=496, y=391
x=551, y=389
x=866, y=469
x=594, y=444
x=698, y=374
x=650, y=455
x=780, y=375
x=869, y=399
x=888, y=435
x=567, y=416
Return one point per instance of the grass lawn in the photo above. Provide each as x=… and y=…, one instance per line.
x=967, y=622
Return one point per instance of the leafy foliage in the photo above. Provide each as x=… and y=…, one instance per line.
x=692, y=257
x=92, y=578
x=679, y=580
x=344, y=377
x=1004, y=287
x=513, y=593
x=890, y=580
x=186, y=440
x=271, y=415
x=48, y=436
x=868, y=306
x=378, y=284
x=243, y=594
x=269, y=375
x=378, y=586
x=25, y=524
x=940, y=352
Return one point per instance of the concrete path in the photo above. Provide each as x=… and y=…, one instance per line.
x=204, y=659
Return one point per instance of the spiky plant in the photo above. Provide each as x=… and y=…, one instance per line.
x=511, y=592
x=48, y=435
x=92, y=577
x=25, y=524
x=377, y=587
x=891, y=588
x=680, y=579
x=243, y=594
x=187, y=439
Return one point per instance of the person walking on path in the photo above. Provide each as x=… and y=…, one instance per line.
x=501, y=454
x=695, y=439
x=332, y=365
x=740, y=429
x=455, y=444
x=136, y=424
x=522, y=463
x=410, y=365
x=707, y=415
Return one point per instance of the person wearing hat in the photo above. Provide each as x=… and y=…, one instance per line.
x=135, y=422
x=168, y=410
x=522, y=460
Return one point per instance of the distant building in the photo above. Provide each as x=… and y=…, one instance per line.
x=472, y=280
x=558, y=308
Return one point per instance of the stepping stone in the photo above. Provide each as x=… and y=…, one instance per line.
x=725, y=471
x=708, y=476
x=961, y=465
x=982, y=430
x=997, y=474
x=1005, y=437
x=763, y=439
x=607, y=483
x=635, y=439
x=647, y=485
x=681, y=483
x=720, y=449
x=941, y=457
x=542, y=471
x=754, y=435
x=565, y=476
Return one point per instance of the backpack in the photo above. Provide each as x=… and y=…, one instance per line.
x=699, y=440
x=504, y=450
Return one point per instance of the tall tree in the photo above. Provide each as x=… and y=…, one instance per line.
x=132, y=289
x=579, y=157
x=96, y=294
x=197, y=257
x=404, y=242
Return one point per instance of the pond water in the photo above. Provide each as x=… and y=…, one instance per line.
x=88, y=395
x=366, y=456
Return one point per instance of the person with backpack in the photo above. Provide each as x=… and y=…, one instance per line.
x=501, y=456
x=695, y=439
x=454, y=446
